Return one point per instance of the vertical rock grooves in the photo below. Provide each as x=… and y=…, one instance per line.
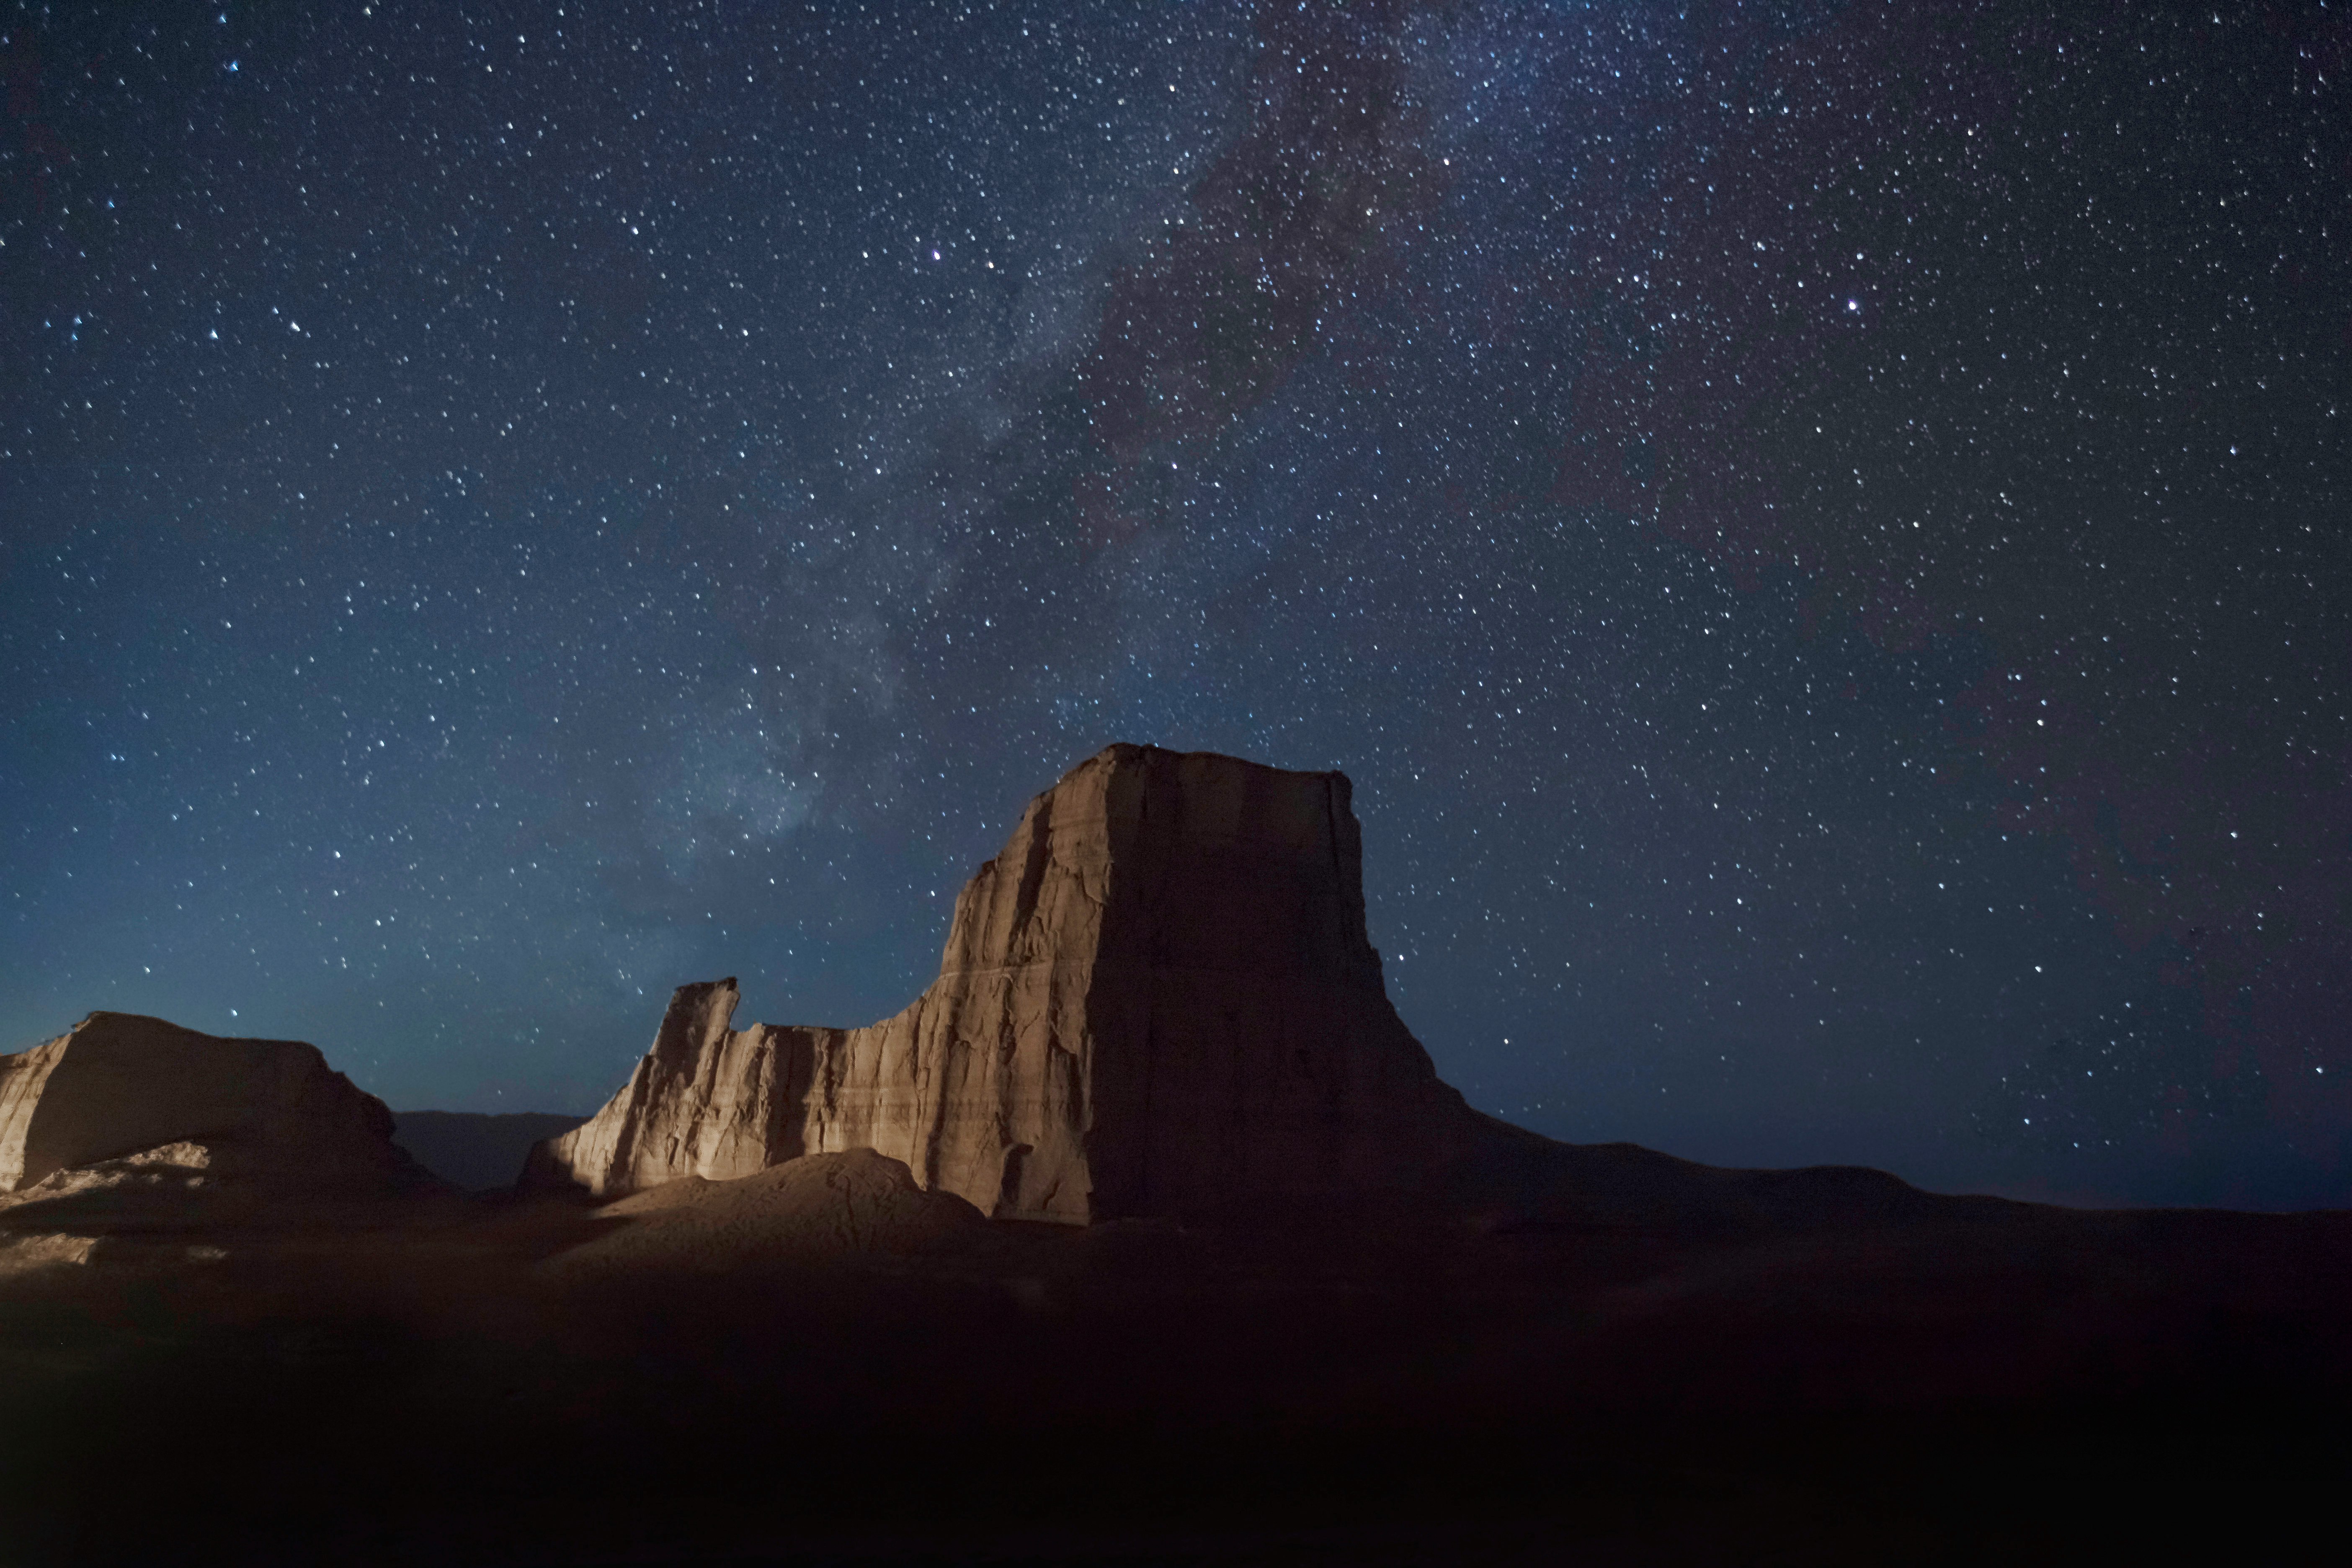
x=1160, y=997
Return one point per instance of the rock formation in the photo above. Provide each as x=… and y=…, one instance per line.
x=117, y=1085
x=1158, y=998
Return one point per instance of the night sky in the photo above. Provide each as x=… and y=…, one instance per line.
x=1820, y=534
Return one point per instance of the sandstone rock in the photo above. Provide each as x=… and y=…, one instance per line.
x=1158, y=998
x=118, y=1087
x=45, y=1250
x=134, y=1209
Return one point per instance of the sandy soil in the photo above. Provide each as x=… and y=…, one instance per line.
x=821, y=1363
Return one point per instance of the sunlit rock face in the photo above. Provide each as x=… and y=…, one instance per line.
x=1158, y=998
x=118, y=1083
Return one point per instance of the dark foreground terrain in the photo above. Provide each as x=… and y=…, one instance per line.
x=690, y=1378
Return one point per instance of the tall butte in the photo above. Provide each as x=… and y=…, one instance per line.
x=1158, y=998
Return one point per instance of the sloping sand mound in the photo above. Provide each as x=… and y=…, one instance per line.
x=817, y=1207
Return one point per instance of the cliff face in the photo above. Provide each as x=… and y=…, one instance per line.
x=1158, y=998
x=117, y=1084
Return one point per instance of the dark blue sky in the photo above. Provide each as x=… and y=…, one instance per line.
x=1820, y=534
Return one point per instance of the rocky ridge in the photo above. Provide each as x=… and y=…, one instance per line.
x=1160, y=997
x=130, y=1137
x=117, y=1084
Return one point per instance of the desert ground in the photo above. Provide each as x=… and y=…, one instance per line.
x=824, y=1362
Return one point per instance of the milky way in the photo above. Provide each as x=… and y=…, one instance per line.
x=1818, y=531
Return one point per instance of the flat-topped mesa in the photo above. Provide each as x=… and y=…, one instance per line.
x=1158, y=998
x=1145, y=858
x=118, y=1084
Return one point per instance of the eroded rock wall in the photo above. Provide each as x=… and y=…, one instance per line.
x=117, y=1083
x=1159, y=997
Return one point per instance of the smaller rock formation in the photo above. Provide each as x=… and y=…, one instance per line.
x=45, y=1250
x=118, y=1087
x=142, y=1207
x=707, y=1100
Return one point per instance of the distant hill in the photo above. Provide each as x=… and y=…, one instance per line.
x=473, y=1150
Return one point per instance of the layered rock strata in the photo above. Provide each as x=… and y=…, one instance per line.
x=117, y=1084
x=1158, y=998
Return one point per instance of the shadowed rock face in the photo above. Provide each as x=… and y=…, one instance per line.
x=1158, y=998
x=118, y=1083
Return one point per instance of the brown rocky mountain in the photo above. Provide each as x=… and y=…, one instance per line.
x=1333, y=1315
x=134, y=1142
x=117, y=1085
x=1158, y=998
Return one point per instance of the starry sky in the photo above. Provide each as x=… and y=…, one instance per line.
x=1820, y=532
